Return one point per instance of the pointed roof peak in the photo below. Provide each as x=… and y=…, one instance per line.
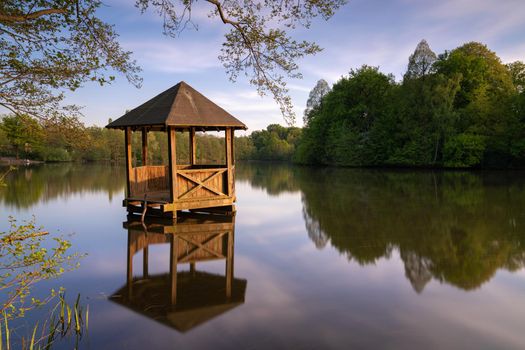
x=179, y=106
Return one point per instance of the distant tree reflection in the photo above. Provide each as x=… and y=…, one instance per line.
x=454, y=227
x=28, y=186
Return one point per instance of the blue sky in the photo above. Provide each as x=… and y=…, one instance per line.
x=375, y=32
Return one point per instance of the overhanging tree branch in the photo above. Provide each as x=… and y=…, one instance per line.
x=33, y=15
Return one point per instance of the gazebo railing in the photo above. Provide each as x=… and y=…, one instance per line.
x=149, y=178
x=193, y=182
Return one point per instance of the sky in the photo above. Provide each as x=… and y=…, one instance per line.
x=374, y=32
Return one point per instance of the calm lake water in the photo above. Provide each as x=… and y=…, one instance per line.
x=323, y=258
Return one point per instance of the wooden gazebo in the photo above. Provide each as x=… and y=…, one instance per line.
x=166, y=189
x=182, y=299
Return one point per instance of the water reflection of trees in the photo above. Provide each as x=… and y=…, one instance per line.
x=28, y=186
x=454, y=227
x=275, y=178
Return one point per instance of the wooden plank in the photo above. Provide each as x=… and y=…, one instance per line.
x=145, y=252
x=204, y=203
x=127, y=142
x=144, y=146
x=200, y=170
x=193, y=147
x=172, y=156
x=204, y=199
x=228, y=210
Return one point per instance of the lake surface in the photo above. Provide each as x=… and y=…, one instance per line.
x=322, y=258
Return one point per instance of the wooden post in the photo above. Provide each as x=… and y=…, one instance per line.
x=229, y=160
x=229, y=264
x=172, y=157
x=129, y=274
x=233, y=146
x=127, y=142
x=173, y=268
x=192, y=268
x=232, y=177
x=193, y=147
x=144, y=146
x=145, y=253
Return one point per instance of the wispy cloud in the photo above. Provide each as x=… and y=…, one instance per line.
x=175, y=56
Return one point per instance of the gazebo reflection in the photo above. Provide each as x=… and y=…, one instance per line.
x=185, y=299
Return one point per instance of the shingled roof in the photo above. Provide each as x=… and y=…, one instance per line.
x=180, y=106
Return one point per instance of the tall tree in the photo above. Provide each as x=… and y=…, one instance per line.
x=517, y=72
x=23, y=132
x=341, y=130
x=484, y=100
x=420, y=63
x=315, y=98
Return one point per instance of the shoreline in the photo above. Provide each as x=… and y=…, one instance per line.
x=6, y=161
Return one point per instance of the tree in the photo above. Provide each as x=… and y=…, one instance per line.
x=68, y=133
x=517, y=128
x=484, y=101
x=275, y=143
x=315, y=98
x=50, y=45
x=426, y=117
x=258, y=43
x=23, y=132
x=55, y=44
x=341, y=131
x=421, y=62
x=483, y=74
x=517, y=72
x=4, y=142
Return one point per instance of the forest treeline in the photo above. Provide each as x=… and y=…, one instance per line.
x=463, y=108
x=63, y=139
x=68, y=139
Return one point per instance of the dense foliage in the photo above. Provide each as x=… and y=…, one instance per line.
x=68, y=139
x=462, y=109
x=275, y=143
x=57, y=139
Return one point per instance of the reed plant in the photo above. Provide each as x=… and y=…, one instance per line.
x=64, y=320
